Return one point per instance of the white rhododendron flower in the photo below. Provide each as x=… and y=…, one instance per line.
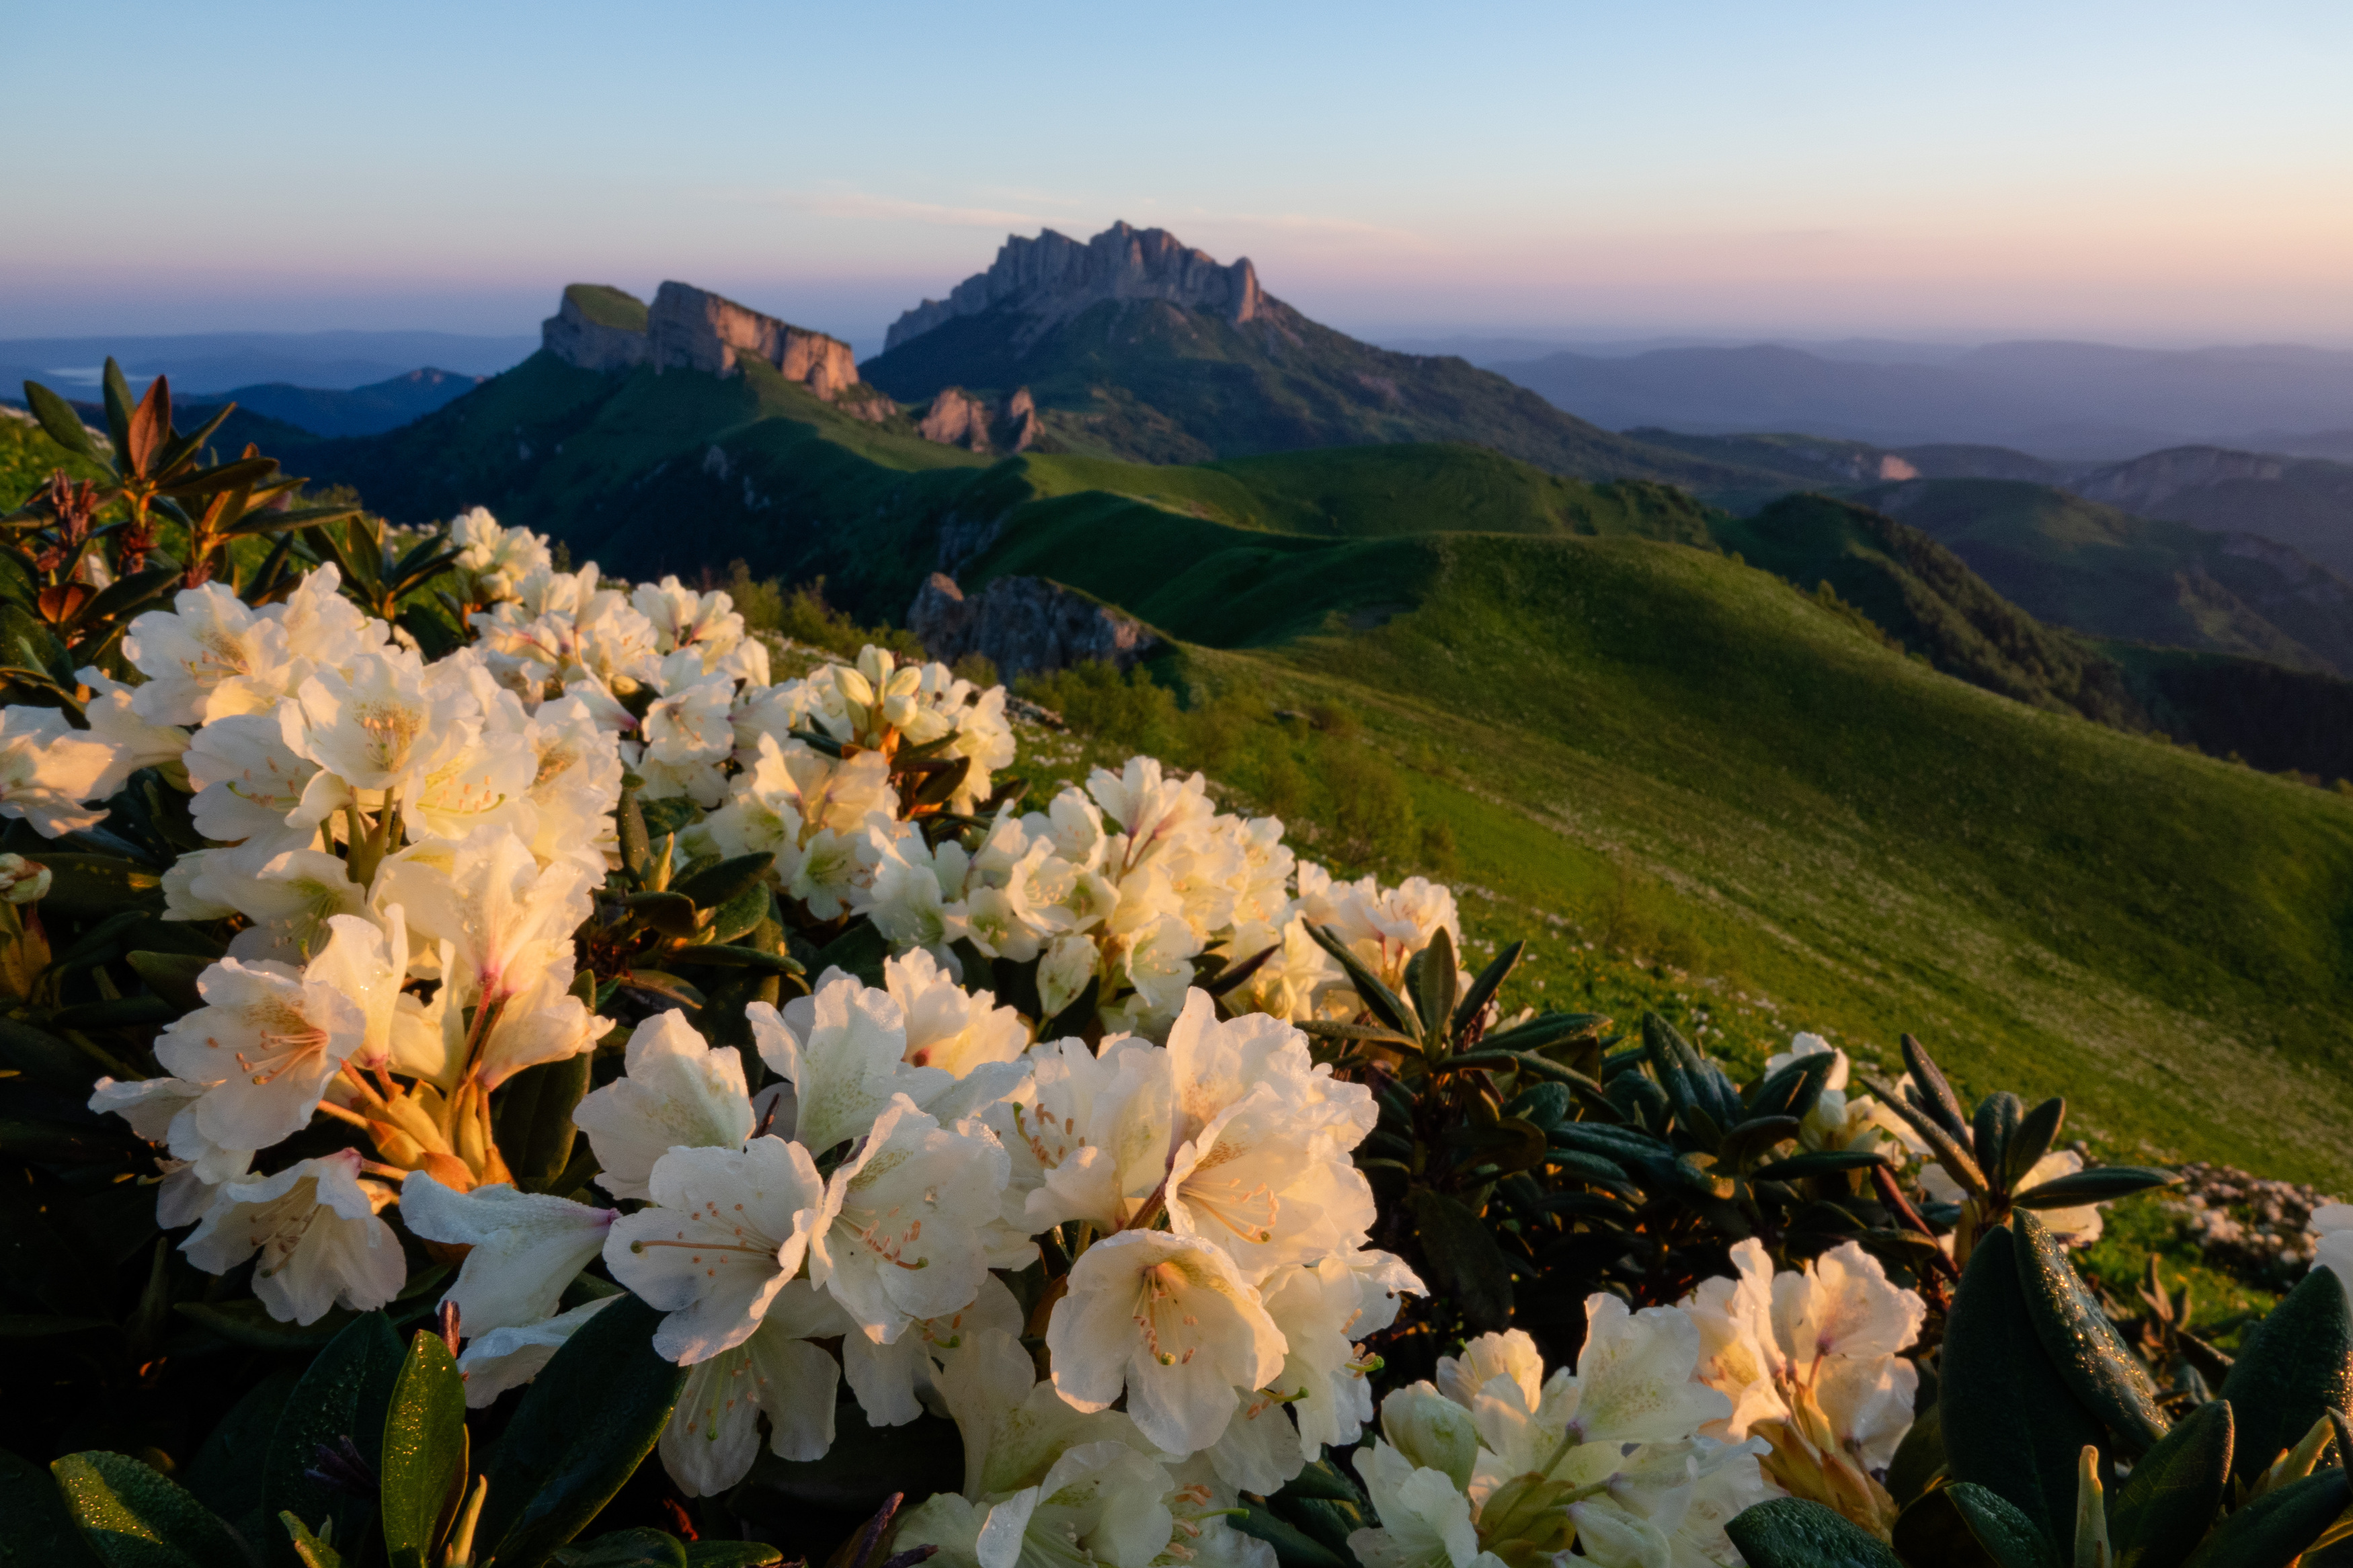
x=48, y=769
x=264, y=1045
x=676, y=1091
x=724, y=1233
x=523, y=1248
x=313, y=1233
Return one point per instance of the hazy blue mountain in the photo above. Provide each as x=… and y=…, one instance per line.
x=2056, y=399
x=215, y=362
x=362, y=411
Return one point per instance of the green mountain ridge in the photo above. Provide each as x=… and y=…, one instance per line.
x=1592, y=695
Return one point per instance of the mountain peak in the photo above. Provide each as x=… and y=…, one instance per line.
x=1053, y=278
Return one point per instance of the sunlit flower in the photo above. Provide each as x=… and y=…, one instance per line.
x=724, y=1233
x=524, y=1248
x=264, y=1045
x=48, y=769
x=314, y=1226
x=675, y=1092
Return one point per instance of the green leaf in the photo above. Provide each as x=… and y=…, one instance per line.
x=741, y=915
x=637, y=846
x=1465, y=1264
x=1817, y=1163
x=2164, y=1511
x=664, y=817
x=714, y=884
x=2293, y=1367
x=35, y=1529
x=1483, y=990
x=92, y=887
x=1377, y=998
x=130, y=1517
x=1544, y=1031
x=1520, y=1061
x=859, y=950
x=117, y=397
x=424, y=1445
x=1791, y=1533
x=309, y=1550
x=2010, y=1422
x=1989, y=1129
x=1294, y=1548
x=344, y=1394
x=1793, y=1091
x=2029, y=1141
x=724, y=956
x=584, y=1424
x=127, y=593
x=1431, y=975
x=57, y=417
x=225, y=1474
x=732, y=1554
x=1507, y=1143
x=533, y=1127
x=237, y=474
x=672, y=914
x=2106, y=1375
x=2096, y=1185
x=1919, y=1458
x=627, y=1548
x=2274, y=1531
x=1963, y=1525
x=171, y=975
x=246, y=1322
x=1934, y=1096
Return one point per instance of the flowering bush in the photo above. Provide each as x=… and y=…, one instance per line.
x=742, y=1068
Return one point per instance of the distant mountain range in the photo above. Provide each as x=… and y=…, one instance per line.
x=2081, y=401
x=1133, y=345
x=216, y=362
x=362, y=411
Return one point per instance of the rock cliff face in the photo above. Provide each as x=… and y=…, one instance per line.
x=1053, y=278
x=1026, y=625
x=601, y=328
x=693, y=328
x=597, y=327
x=957, y=418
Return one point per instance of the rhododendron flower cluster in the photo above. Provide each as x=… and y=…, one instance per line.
x=1111, y=1223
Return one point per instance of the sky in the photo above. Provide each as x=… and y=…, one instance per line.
x=2145, y=174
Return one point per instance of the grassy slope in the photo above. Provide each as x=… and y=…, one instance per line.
x=1151, y=382
x=2109, y=573
x=2053, y=905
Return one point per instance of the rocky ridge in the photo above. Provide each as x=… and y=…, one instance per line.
x=604, y=329
x=1053, y=278
x=1026, y=626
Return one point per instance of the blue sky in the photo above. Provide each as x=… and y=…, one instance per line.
x=2145, y=172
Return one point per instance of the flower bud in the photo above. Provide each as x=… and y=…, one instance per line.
x=1433, y=1431
x=22, y=881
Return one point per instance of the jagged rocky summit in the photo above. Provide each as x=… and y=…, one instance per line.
x=602, y=328
x=1053, y=278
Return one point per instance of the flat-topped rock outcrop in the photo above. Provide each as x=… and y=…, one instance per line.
x=1053, y=278
x=602, y=328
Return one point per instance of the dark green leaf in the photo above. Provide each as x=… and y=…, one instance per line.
x=742, y=915
x=1508, y=1144
x=2096, y=1185
x=1545, y=1031
x=57, y=417
x=1791, y=1533
x=62, y=1142
x=732, y=1554
x=35, y=1529
x=1757, y=1136
x=171, y=975
x=533, y=1126
x=1521, y=1061
x=672, y=914
x=1483, y=990
x=183, y=445
x=229, y=476
x=1294, y=1548
x=130, y=1517
x=127, y=593
x=2029, y=1141
x=225, y=1474
x=2292, y=1368
x=2010, y=1422
x=2106, y=1377
x=670, y=815
x=344, y=1394
x=1328, y=1520
x=583, y=1426
x=859, y=950
x=714, y=886
x=1432, y=980
x=117, y=398
x=626, y=1549
x=1465, y=1264
x=45, y=1058
x=1817, y=1163
x=247, y=1322
x=92, y=887
x=727, y=957
x=1989, y=1129
x=2274, y=1531
x=1919, y=1458
x=424, y=1445
x=1963, y=1525
x=1934, y=1095
x=637, y=846
x=2163, y=1511
x=1793, y=1091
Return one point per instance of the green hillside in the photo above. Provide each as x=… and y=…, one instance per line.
x=2106, y=573
x=1151, y=382
x=1876, y=846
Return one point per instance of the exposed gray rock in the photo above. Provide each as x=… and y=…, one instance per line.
x=1017, y=428
x=1027, y=625
x=592, y=328
x=693, y=328
x=1053, y=278
x=2146, y=483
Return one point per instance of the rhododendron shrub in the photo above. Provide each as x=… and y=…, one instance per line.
x=727, y=1064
